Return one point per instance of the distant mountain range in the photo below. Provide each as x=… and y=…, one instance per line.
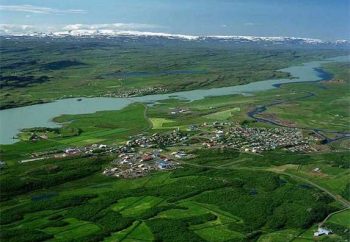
x=88, y=33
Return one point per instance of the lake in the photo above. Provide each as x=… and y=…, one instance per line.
x=41, y=115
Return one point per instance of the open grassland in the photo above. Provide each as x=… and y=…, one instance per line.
x=161, y=123
x=341, y=218
x=280, y=236
x=35, y=71
x=218, y=195
x=101, y=127
x=327, y=109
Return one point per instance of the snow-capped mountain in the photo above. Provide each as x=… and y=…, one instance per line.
x=110, y=33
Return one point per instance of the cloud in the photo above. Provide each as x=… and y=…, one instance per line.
x=113, y=26
x=17, y=29
x=39, y=10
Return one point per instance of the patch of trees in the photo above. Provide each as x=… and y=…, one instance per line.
x=154, y=211
x=177, y=229
x=45, y=177
x=5, y=104
x=11, y=215
x=280, y=158
x=338, y=159
x=188, y=171
x=65, y=131
x=204, y=156
x=21, y=81
x=19, y=64
x=263, y=200
x=25, y=235
x=187, y=187
x=59, y=65
x=13, y=49
x=271, y=206
x=346, y=192
x=338, y=229
x=42, y=129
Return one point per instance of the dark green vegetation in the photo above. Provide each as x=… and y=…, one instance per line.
x=219, y=195
x=21, y=81
x=35, y=71
x=57, y=195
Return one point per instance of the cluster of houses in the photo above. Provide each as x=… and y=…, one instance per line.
x=173, y=138
x=213, y=135
x=86, y=150
x=138, y=92
x=168, y=139
x=142, y=154
x=177, y=111
x=255, y=140
x=136, y=158
x=90, y=150
x=132, y=165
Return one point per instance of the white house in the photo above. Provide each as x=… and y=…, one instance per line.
x=322, y=231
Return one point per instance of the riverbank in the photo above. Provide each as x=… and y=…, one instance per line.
x=41, y=115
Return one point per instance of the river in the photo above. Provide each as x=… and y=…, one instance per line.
x=41, y=115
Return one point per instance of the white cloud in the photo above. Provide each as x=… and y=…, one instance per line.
x=16, y=28
x=113, y=28
x=39, y=10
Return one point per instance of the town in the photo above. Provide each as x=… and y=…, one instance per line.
x=137, y=92
x=144, y=153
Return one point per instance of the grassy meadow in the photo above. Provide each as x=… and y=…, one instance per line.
x=35, y=71
x=218, y=194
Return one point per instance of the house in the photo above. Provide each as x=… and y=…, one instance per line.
x=317, y=169
x=43, y=136
x=71, y=151
x=162, y=164
x=179, y=154
x=192, y=128
x=322, y=231
x=147, y=158
x=219, y=134
x=156, y=153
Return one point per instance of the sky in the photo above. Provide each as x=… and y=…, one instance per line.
x=322, y=19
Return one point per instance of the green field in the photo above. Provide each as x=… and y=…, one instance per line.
x=217, y=194
x=161, y=123
x=208, y=199
x=61, y=68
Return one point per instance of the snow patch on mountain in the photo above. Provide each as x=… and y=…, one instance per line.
x=78, y=31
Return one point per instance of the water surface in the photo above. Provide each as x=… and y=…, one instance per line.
x=41, y=115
